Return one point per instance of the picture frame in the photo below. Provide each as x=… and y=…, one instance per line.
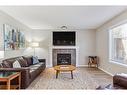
x=14, y=39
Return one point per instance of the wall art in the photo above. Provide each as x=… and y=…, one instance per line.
x=14, y=39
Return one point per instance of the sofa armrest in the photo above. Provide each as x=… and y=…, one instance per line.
x=25, y=74
x=120, y=81
x=14, y=69
x=42, y=60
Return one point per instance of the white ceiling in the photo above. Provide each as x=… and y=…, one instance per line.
x=53, y=17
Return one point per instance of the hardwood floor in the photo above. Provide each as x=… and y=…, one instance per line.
x=84, y=78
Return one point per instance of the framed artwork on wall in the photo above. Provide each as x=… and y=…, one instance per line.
x=14, y=39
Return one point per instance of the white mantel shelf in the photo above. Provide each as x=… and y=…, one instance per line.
x=64, y=47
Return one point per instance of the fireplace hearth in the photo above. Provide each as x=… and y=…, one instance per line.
x=63, y=59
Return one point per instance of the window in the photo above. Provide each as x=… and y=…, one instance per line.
x=118, y=44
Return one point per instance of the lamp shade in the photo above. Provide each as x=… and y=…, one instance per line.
x=1, y=54
x=35, y=44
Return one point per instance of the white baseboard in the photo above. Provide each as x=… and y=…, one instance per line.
x=105, y=71
x=81, y=65
x=48, y=66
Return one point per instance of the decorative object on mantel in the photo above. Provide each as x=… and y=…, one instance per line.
x=14, y=39
x=93, y=60
x=34, y=45
x=63, y=27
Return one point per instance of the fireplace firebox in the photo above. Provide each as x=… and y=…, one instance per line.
x=63, y=59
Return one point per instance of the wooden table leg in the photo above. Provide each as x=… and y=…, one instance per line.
x=19, y=80
x=57, y=74
x=88, y=64
x=8, y=85
x=72, y=74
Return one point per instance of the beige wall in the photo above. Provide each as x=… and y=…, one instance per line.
x=102, y=45
x=85, y=42
x=6, y=19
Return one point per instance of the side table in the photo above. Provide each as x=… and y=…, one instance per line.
x=8, y=77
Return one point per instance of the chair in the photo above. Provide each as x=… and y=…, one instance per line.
x=93, y=60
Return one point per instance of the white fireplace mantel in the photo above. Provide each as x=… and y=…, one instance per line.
x=63, y=47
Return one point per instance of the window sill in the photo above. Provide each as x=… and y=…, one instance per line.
x=118, y=63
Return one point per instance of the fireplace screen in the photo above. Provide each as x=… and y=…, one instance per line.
x=63, y=59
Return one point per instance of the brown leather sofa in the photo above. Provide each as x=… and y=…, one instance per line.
x=28, y=71
x=120, y=81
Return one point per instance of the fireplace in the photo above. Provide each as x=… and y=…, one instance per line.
x=63, y=59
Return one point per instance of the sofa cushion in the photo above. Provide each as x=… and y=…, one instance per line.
x=22, y=62
x=119, y=80
x=33, y=74
x=35, y=60
x=32, y=70
x=29, y=60
x=122, y=74
x=16, y=64
x=33, y=67
x=39, y=64
x=6, y=64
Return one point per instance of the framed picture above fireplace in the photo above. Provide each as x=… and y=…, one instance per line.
x=64, y=38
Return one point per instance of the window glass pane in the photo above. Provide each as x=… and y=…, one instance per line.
x=119, y=44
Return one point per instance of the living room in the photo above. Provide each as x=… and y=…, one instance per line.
x=72, y=36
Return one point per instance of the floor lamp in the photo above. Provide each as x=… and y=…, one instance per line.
x=34, y=46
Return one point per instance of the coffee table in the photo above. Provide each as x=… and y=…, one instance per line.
x=64, y=68
x=8, y=77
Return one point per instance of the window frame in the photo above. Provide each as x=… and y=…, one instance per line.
x=110, y=44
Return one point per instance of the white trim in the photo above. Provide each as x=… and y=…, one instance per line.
x=81, y=65
x=48, y=66
x=51, y=47
x=118, y=24
x=111, y=60
x=118, y=63
x=105, y=71
x=109, y=45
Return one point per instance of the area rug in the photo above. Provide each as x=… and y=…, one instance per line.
x=83, y=79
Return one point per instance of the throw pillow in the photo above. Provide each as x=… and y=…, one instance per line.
x=6, y=64
x=16, y=64
x=29, y=59
x=22, y=62
x=35, y=60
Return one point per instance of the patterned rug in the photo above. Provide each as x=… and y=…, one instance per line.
x=84, y=78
